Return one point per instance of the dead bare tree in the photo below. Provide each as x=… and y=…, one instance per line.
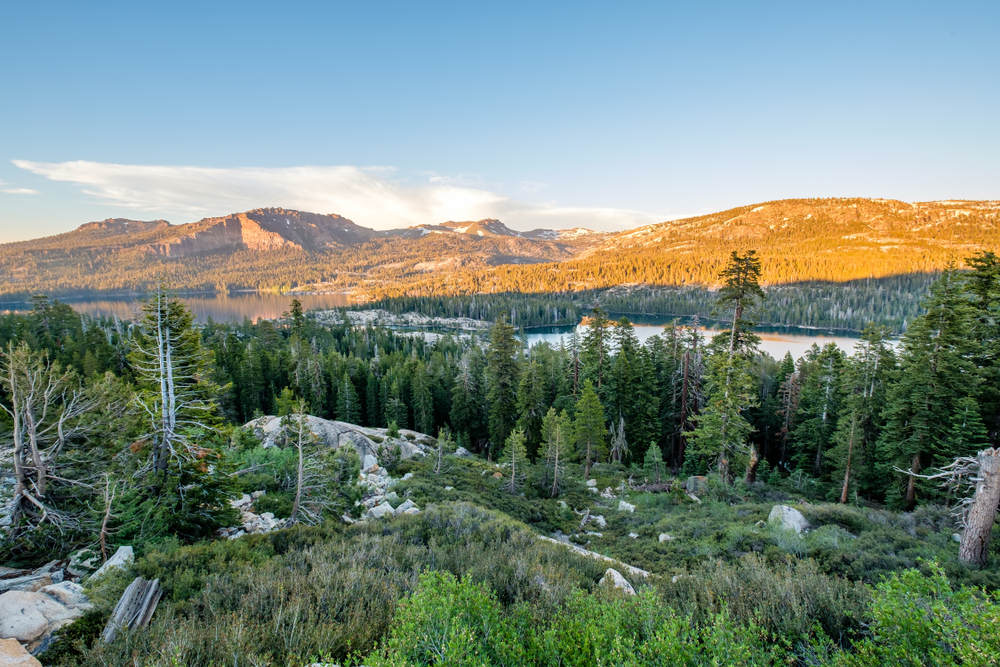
x=46, y=406
x=169, y=359
x=975, y=481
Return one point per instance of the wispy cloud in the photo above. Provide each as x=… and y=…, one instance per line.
x=372, y=196
x=8, y=189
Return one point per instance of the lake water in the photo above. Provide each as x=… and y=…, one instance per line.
x=218, y=307
x=255, y=306
x=774, y=341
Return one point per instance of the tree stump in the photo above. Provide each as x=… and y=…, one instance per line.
x=134, y=608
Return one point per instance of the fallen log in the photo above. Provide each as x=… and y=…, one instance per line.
x=134, y=608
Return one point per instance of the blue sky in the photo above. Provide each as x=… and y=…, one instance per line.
x=601, y=114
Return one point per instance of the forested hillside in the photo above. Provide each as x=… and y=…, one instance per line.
x=832, y=240
x=762, y=510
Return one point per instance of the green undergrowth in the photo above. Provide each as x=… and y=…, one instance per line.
x=468, y=582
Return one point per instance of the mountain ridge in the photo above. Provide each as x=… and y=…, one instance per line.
x=834, y=239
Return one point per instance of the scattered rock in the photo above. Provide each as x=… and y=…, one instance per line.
x=406, y=506
x=14, y=655
x=463, y=453
x=407, y=476
x=665, y=537
x=592, y=483
x=563, y=505
x=391, y=497
x=449, y=488
x=82, y=562
x=599, y=520
x=625, y=507
x=121, y=559
x=633, y=535
x=369, y=462
x=788, y=518
x=956, y=537
x=379, y=511
x=608, y=493
x=614, y=579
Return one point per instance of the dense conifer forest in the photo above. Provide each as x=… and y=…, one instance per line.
x=118, y=432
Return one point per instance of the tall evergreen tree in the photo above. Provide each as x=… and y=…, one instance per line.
x=348, y=404
x=515, y=456
x=936, y=372
x=531, y=406
x=591, y=436
x=556, y=431
x=501, y=383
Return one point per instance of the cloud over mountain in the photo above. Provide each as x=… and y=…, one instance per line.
x=373, y=196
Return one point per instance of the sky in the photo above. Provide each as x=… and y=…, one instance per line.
x=544, y=114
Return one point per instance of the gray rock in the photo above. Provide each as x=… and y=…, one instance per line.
x=592, y=483
x=29, y=582
x=463, y=453
x=599, y=520
x=32, y=616
x=408, y=476
x=633, y=535
x=614, y=579
x=368, y=462
x=406, y=505
x=449, y=488
x=391, y=497
x=956, y=537
x=625, y=507
x=379, y=511
x=665, y=537
x=787, y=518
x=83, y=561
x=121, y=558
x=412, y=510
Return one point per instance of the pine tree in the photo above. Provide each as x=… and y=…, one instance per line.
x=594, y=355
x=652, y=464
x=348, y=405
x=722, y=432
x=531, y=406
x=865, y=377
x=423, y=400
x=556, y=432
x=818, y=405
x=936, y=372
x=515, y=456
x=591, y=436
x=501, y=383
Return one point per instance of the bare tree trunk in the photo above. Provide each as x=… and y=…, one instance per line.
x=911, y=482
x=109, y=496
x=300, y=471
x=973, y=548
x=752, y=464
x=847, y=466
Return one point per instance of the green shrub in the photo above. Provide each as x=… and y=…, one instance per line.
x=922, y=620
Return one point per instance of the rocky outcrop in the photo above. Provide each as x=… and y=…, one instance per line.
x=787, y=518
x=371, y=444
x=251, y=523
x=122, y=558
x=12, y=654
x=32, y=617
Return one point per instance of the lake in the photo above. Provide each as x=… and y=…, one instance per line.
x=255, y=306
x=233, y=307
x=776, y=341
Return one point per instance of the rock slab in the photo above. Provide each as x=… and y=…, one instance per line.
x=787, y=518
x=614, y=579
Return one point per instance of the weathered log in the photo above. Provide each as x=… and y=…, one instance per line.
x=973, y=548
x=134, y=608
